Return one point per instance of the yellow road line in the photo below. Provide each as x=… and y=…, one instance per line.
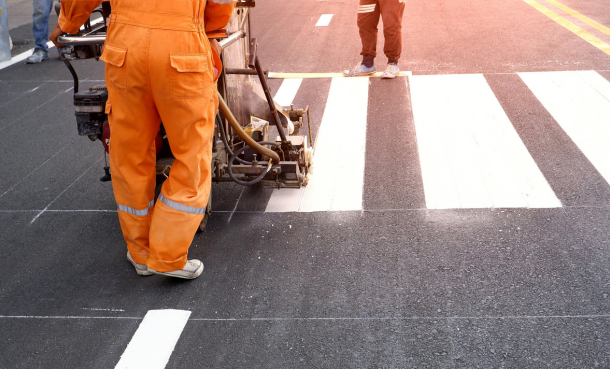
x=570, y=26
x=575, y=14
x=327, y=75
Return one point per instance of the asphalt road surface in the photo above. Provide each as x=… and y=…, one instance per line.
x=458, y=215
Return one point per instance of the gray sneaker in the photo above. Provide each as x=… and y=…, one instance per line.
x=191, y=270
x=359, y=70
x=37, y=56
x=390, y=71
x=141, y=269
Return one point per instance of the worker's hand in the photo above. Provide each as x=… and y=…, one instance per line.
x=216, y=46
x=55, y=33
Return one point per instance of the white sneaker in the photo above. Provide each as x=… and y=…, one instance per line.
x=191, y=270
x=390, y=71
x=359, y=70
x=37, y=56
x=141, y=269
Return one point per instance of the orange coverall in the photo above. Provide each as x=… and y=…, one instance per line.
x=159, y=67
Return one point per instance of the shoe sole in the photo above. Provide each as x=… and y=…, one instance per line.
x=29, y=62
x=178, y=274
x=359, y=74
x=388, y=76
x=139, y=271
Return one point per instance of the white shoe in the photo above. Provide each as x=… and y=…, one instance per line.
x=141, y=269
x=191, y=270
x=390, y=71
x=359, y=70
x=37, y=56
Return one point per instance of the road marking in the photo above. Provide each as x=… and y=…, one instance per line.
x=580, y=103
x=581, y=17
x=324, y=20
x=470, y=154
x=571, y=26
x=154, y=341
x=288, y=90
x=338, y=178
x=329, y=75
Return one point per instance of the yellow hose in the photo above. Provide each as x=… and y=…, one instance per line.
x=243, y=135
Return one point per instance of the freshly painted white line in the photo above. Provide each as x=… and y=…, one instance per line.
x=580, y=103
x=338, y=178
x=470, y=154
x=21, y=57
x=154, y=341
x=324, y=20
x=285, y=200
x=287, y=91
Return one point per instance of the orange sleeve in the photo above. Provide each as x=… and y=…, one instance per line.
x=74, y=13
x=217, y=14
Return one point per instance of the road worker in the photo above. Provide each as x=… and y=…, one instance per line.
x=160, y=66
x=391, y=11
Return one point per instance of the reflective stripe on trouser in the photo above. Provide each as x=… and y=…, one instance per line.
x=156, y=75
x=391, y=11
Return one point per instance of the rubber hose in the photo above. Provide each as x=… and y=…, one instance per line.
x=243, y=135
x=225, y=141
x=255, y=180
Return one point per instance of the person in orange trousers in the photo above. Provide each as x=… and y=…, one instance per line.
x=160, y=66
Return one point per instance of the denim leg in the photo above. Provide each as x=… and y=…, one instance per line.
x=40, y=28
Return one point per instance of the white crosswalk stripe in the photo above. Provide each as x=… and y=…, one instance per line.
x=580, y=103
x=470, y=154
x=469, y=151
x=338, y=169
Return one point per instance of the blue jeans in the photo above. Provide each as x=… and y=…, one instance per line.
x=40, y=28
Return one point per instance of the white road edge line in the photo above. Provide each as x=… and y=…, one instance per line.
x=324, y=20
x=154, y=341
